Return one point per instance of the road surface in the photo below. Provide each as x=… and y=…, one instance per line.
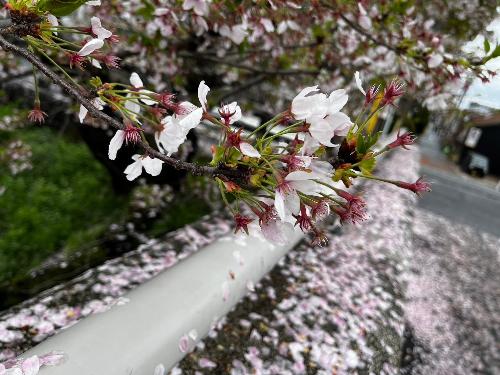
x=462, y=200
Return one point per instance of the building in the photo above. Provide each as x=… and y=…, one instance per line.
x=480, y=142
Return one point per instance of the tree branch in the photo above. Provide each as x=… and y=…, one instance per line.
x=82, y=96
x=279, y=72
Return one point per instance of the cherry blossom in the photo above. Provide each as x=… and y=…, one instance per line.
x=393, y=91
x=136, y=81
x=322, y=113
x=98, y=104
x=230, y=113
x=364, y=20
x=435, y=60
x=151, y=165
x=287, y=201
x=199, y=7
x=130, y=134
x=176, y=128
x=99, y=31
x=305, y=106
x=236, y=33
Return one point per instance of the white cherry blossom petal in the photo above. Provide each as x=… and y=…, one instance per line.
x=14, y=371
x=184, y=344
x=321, y=131
x=95, y=63
x=152, y=165
x=134, y=170
x=115, y=144
x=146, y=98
x=136, y=81
x=340, y=123
x=193, y=334
x=203, y=90
x=91, y=46
x=279, y=204
x=206, y=363
x=31, y=366
x=160, y=370
x=132, y=105
x=276, y=231
x=248, y=150
x=83, y=113
x=299, y=176
x=191, y=120
x=359, y=83
x=98, y=30
x=53, y=21
x=337, y=100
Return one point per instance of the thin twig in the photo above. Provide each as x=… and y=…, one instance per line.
x=83, y=97
x=279, y=72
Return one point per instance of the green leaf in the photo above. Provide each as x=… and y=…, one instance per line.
x=486, y=45
x=218, y=156
x=496, y=52
x=96, y=82
x=365, y=142
x=60, y=8
x=147, y=12
x=368, y=165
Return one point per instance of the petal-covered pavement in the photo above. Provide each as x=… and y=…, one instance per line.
x=453, y=298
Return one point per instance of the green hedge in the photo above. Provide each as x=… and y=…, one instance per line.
x=65, y=201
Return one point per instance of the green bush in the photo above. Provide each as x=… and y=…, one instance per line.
x=65, y=201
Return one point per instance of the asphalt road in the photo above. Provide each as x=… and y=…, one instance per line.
x=462, y=200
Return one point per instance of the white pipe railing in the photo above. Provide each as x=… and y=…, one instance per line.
x=134, y=338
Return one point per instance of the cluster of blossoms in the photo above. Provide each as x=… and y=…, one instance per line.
x=282, y=170
x=290, y=171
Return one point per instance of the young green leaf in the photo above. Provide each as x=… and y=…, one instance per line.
x=368, y=165
x=486, y=45
x=60, y=8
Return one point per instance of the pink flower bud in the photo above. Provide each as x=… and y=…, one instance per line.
x=37, y=115
x=417, y=187
x=392, y=92
x=403, y=140
x=132, y=133
x=371, y=94
x=241, y=223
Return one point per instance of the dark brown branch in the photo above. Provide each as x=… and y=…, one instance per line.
x=244, y=86
x=83, y=97
x=370, y=37
x=279, y=72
